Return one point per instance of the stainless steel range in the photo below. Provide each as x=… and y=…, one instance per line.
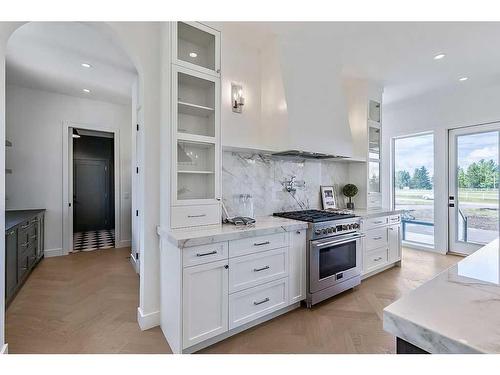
x=333, y=252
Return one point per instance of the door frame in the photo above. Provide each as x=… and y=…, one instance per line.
x=467, y=248
x=67, y=180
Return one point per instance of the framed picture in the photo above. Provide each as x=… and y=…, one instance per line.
x=328, y=197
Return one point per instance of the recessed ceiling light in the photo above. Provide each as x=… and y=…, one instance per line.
x=193, y=54
x=463, y=79
x=86, y=65
x=86, y=90
x=439, y=57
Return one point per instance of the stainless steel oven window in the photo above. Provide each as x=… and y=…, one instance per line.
x=336, y=258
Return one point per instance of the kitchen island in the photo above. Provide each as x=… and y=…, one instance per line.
x=456, y=312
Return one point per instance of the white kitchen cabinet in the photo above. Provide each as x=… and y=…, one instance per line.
x=204, y=301
x=394, y=242
x=381, y=244
x=297, y=261
x=196, y=151
x=196, y=46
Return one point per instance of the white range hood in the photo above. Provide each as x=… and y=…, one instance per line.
x=316, y=103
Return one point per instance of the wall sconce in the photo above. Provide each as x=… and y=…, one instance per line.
x=237, y=97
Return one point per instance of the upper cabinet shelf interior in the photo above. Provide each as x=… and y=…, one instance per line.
x=196, y=47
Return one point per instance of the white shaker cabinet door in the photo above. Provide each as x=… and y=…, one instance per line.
x=297, y=266
x=394, y=233
x=205, y=302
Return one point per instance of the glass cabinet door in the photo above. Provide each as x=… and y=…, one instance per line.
x=374, y=177
x=195, y=170
x=196, y=99
x=374, y=143
x=197, y=47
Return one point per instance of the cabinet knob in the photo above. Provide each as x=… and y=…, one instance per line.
x=226, y=266
x=218, y=70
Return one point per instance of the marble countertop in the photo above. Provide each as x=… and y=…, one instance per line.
x=367, y=214
x=226, y=232
x=456, y=312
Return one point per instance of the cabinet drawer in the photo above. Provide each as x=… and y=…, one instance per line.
x=256, y=302
x=204, y=254
x=376, y=238
x=191, y=216
x=394, y=219
x=374, y=259
x=375, y=222
x=255, y=244
x=255, y=269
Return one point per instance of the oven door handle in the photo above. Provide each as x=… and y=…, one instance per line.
x=339, y=241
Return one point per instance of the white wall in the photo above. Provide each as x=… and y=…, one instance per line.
x=439, y=111
x=34, y=126
x=142, y=42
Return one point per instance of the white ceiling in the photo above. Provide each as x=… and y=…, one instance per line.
x=48, y=56
x=399, y=55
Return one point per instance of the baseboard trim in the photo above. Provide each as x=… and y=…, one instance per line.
x=53, y=253
x=5, y=349
x=125, y=243
x=147, y=321
x=134, y=262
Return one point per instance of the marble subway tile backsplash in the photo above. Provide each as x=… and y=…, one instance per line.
x=265, y=179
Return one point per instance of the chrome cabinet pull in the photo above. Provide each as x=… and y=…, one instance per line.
x=262, y=243
x=25, y=226
x=377, y=238
x=260, y=269
x=395, y=219
x=377, y=222
x=205, y=254
x=25, y=244
x=377, y=259
x=202, y=215
x=261, y=302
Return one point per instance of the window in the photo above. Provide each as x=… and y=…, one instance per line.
x=413, y=178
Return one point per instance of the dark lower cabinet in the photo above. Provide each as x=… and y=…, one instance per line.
x=24, y=245
x=404, y=347
x=11, y=263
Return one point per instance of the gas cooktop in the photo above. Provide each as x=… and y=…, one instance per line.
x=313, y=216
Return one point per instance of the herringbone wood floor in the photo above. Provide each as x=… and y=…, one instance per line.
x=87, y=303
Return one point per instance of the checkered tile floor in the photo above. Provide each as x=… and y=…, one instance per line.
x=94, y=240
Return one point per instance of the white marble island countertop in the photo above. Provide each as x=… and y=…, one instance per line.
x=456, y=312
x=227, y=232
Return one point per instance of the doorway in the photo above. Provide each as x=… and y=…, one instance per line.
x=473, y=187
x=93, y=190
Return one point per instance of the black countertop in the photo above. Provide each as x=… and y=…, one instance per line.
x=14, y=217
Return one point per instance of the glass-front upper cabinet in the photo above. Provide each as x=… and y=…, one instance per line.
x=374, y=153
x=374, y=142
x=196, y=103
x=196, y=46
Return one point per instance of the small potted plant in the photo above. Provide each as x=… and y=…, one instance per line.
x=350, y=191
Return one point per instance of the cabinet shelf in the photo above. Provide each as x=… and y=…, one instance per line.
x=195, y=138
x=195, y=109
x=195, y=172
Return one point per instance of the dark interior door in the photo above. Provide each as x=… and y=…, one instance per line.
x=91, y=198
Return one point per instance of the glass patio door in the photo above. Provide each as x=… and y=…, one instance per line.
x=473, y=187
